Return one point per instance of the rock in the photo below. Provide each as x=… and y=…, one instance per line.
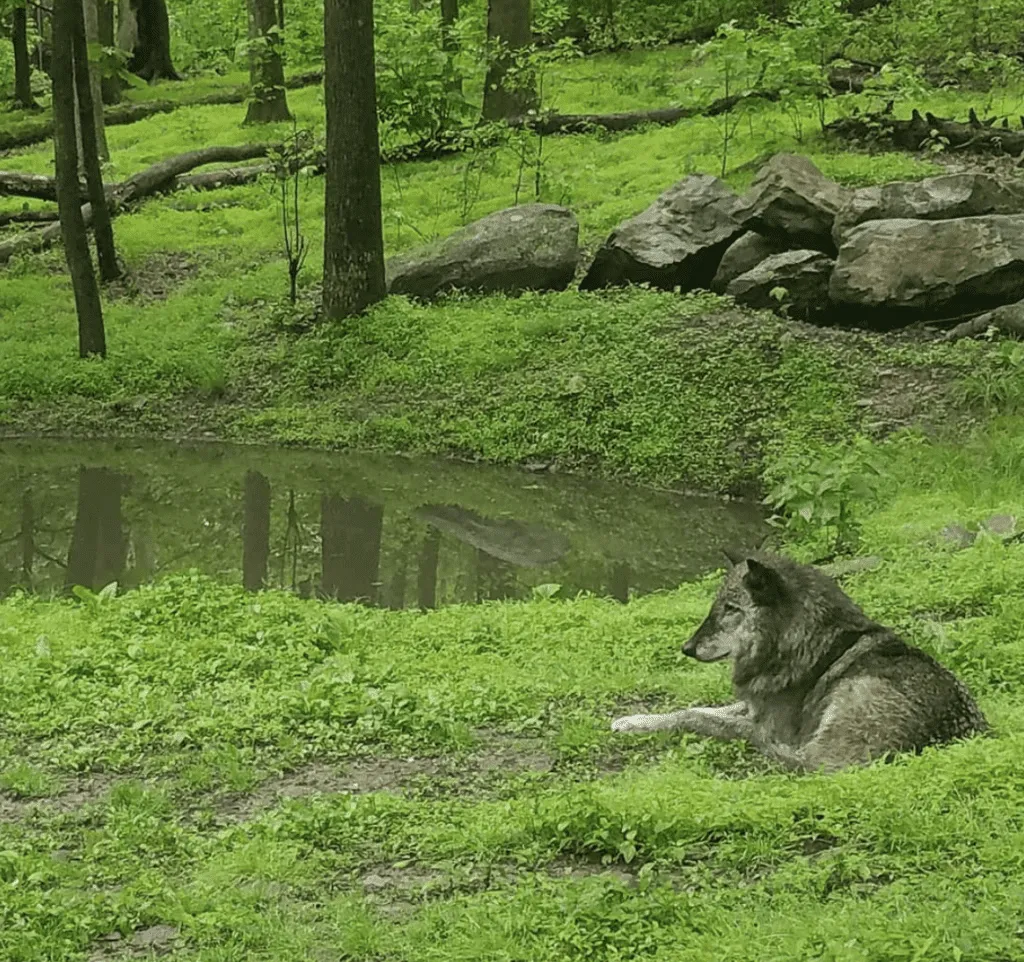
x=852, y=566
x=793, y=203
x=958, y=536
x=1008, y=319
x=532, y=247
x=804, y=274
x=743, y=254
x=677, y=242
x=903, y=269
x=934, y=198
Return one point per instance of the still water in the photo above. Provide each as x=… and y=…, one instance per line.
x=394, y=532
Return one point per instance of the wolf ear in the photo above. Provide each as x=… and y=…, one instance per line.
x=733, y=557
x=763, y=582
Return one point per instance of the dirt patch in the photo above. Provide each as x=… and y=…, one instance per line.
x=156, y=278
x=143, y=943
x=80, y=791
x=497, y=755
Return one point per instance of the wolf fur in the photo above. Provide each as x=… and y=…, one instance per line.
x=819, y=685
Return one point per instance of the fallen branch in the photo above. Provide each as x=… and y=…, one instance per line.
x=913, y=134
x=152, y=180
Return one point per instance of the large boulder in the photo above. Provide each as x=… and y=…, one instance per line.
x=677, y=242
x=935, y=198
x=893, y=271
x=804, y=275
x=534, y=247
x=793, y=203
x=742, y=255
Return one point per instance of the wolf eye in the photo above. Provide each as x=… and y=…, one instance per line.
x=732, y=608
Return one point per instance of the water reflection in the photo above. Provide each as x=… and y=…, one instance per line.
x=392, y=532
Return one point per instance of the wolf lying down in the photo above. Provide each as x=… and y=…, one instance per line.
x=819, y=685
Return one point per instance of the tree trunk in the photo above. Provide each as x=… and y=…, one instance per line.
x=85, y=89
x=426, y=578
x=148, y=29
x=508, y=29
x=353, y=231
x=449, y=42
x=22, y=66
x=28, y=538
x=255, y=531
x=350, y=533
x=90, y=15
x=91, y=337
x=268, y=103
x=96, y=556
x=110, y=85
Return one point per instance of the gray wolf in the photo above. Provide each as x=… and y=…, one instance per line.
x=819, y=686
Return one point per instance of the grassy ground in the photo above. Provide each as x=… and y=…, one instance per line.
x=202, y=343
x=247, y=777
x=260, y=777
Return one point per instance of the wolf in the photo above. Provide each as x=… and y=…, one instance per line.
x=819, y=686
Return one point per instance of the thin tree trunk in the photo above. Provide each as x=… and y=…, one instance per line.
x=449, y=41
x=28, y=538
x=110, y=85
x=353, y=231
x=90, y=16
x=84, y=87
x=426, y=578
x=22, y=66
x=91, y=336
x=268, y=103
x=255, y=531
x=508, y=29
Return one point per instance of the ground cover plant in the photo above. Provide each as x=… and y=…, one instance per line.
x=187, y=768
x=258, y=776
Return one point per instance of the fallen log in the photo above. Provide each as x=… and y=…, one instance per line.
x=914, y=133
x=17, y=184
x=28, y=217
x=152, y=180
x=131, y=112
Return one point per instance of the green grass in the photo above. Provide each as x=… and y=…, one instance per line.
x=182, y=699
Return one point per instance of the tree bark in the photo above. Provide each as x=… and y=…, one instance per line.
x=110, y=86
x=22, y=66
x=91, y=336
x=508, y=29
x=147, y=26
x=449, y=42
x=268, y=103
x=255, y=531
x=87, y=86
x=90, y=15
x=353, y=230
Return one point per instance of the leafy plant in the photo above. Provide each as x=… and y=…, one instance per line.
x=818, y=495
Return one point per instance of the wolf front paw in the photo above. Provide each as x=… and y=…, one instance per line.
x=632, y=723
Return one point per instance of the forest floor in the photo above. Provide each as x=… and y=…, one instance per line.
x=203, y=342
x=190, y=769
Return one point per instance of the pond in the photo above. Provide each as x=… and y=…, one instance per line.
x=390, y=531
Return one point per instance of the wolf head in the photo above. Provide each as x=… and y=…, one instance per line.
x=743, y=613
x=776, y=620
